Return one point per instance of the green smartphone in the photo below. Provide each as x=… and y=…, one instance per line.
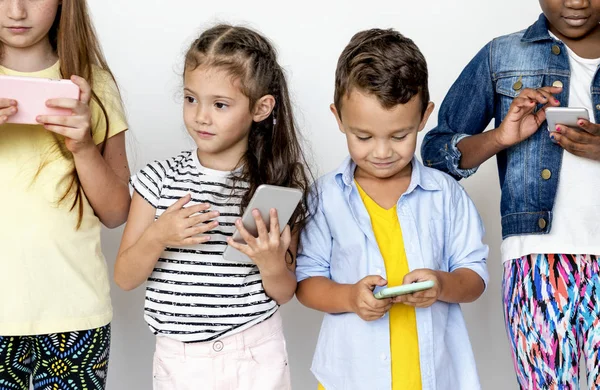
x=392, y=292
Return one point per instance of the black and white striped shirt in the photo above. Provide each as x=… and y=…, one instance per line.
x=194, y=294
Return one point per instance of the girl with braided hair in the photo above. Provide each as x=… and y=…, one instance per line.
x=217, y=321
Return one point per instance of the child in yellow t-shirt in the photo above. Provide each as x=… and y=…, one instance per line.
x=382, y=218
x=63, y=177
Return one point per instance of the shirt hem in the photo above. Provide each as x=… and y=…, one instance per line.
x=48, y=327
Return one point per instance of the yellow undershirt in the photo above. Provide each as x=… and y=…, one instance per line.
x=404, y=343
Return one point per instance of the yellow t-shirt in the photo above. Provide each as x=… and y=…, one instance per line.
x=404, y=343
x=53, y=277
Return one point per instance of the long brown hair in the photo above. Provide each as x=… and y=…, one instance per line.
x=274, y=154
x=74, y=39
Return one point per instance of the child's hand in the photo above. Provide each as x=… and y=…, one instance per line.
x=267, y=250
x=362, y=301
x=8, y=107
x=76, y=128
x=583, y=143
x=181, y=226
x=521, y=122
x=423, y=298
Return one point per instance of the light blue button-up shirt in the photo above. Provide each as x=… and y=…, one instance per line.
x=441, y=229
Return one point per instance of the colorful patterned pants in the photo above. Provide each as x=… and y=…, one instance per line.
x=552, y=315
x=59, y=361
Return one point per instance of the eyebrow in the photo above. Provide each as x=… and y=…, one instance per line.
x=402, y=130
x=186, y=89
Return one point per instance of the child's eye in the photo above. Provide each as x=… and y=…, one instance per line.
x=399, y=138
x=190, y=99
x=363, y=138
x=220, y=105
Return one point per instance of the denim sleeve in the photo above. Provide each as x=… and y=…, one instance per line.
x=466, y=110
x=465, y=247
x=314, y=253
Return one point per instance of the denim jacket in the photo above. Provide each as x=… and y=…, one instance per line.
x=529, y=171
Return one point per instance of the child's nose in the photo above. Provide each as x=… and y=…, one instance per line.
x=382, y=150
x=202, y=115
x=577, y=4
x=16, y=9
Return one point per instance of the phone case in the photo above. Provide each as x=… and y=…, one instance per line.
x=31, y=95
x=391, y=292
x=567, y=116
x=283, y=199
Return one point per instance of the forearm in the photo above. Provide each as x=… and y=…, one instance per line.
x=279, y=284
x=460, y=286
x=107, y=193
x=477, y=149
x=135, y=264
x=325, y=295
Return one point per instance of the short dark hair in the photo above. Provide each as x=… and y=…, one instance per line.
x=383, y=63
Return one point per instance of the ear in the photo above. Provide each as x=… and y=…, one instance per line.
x=263, y=108
x=338, y=118
x=428, y=111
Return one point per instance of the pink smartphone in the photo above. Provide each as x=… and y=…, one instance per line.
x=31, y=95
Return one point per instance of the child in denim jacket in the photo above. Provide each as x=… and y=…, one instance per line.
x=550, y=180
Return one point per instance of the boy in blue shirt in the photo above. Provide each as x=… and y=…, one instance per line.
x=382, y=218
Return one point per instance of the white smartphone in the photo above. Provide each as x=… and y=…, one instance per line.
x=567, y=116
x=267, y=197
x=31, y=94
x=392, y=292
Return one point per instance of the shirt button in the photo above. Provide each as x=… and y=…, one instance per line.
x=557, y=84
x=517, y=86
x=218, y=346
x=542, y=223
x=378, y=271
x=383, y=357
x=546, y=174
x=556, y=49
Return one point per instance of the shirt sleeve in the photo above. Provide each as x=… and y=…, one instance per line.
x=148, y=182
x=107, y=92
x=465, y=239
x=314, y=254
x=466, y=110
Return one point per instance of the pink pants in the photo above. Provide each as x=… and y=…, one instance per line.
x=253, y=359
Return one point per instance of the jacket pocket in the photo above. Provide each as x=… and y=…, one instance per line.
x=511, y=85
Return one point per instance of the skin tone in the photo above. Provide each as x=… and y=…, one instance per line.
x=217, y=116
x=382, y=143
x=576, y=23
x=24, y=27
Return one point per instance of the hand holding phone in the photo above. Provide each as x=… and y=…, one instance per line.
x=392, y=292
x=426, y=297
x=263, y=222
x=30, y=95
x=8, y=107
x=567, y=116
x=571, y=129
x=362, y=301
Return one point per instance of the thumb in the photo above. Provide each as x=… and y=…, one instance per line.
x=373, y=281
x=411, y=277
x=179, y=204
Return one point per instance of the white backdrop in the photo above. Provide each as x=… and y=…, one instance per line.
x=144, y=41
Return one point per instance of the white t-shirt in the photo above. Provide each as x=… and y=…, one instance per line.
x=576, y=213
x=194, y=294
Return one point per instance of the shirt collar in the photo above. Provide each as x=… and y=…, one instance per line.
x=538, y=31
x=344, y=176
